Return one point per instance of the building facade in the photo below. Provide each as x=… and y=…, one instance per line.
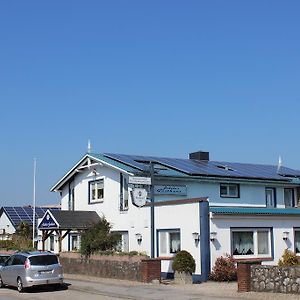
x=252, y=211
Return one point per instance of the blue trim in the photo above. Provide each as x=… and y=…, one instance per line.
x=204, y=241
x=254, y=211
x=167, y=275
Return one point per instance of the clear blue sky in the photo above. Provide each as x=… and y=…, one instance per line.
x=144, y=77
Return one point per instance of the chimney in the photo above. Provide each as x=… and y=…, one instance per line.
x=199, y=155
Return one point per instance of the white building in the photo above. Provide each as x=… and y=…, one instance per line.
x=253, y=212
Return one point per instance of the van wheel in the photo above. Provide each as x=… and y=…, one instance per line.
x=20, y=285
x=1, y=283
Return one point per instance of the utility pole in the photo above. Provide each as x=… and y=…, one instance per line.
x=33, y=213
x=152, y=209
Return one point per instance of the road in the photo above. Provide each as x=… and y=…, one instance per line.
x=78, y=290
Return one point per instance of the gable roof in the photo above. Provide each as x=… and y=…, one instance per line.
x=73, y=219
x=18, y=214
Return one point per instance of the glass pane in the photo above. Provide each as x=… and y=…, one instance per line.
x=163, y=242
x=233, y=190
x=288, y=197
x=174, y=242
x=269, y=197
x=263, y=242
x=242, y=243
x=297, y=241
x=43, y=260
x=223, y=190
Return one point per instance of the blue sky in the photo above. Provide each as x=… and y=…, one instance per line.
x=144, y=77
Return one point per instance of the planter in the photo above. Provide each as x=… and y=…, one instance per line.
x=183, y=278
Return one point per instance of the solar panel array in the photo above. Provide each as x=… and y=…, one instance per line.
x=18, y=214
x=208, y=168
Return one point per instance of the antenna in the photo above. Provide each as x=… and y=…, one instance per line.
x=89, y=147
x=279, y=163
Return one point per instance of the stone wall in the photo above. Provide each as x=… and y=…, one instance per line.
x=275, y=279
x=111, y=266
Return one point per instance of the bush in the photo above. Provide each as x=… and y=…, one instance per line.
x=288, y=258
x=99, y=238
x=224, y=269
x=184, y=262
x=7, y=244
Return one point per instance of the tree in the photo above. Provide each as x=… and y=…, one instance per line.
x=22, y=238
x=99, y=238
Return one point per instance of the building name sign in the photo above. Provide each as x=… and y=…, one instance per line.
x=180, y=190
x=47, y=222
x=139, y=180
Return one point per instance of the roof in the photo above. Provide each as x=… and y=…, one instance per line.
x=192, y=167
x=254, y=211
x=73, y=219
x=18, y=214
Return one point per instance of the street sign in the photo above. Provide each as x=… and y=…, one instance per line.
x=180, y=190
x=139, y=196
x=139, y=180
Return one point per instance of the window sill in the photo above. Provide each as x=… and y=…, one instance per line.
x=96, y=202
x=253, y=259
x=229, y=196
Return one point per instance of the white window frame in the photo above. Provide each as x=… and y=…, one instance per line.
x=91, y=184
x=255, y=242
x=273, y=196
x=227, y=195
x=166, y=234
x=124, y=196
x=293, y=197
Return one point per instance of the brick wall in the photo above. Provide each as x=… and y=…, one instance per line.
x=244, y=275
x=150, y=270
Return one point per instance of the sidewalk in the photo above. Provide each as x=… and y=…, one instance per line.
x=213, y=289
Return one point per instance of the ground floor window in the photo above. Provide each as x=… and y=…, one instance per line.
x=51, y=242
x=168, y=242
x=297, y=241
x=123, y=245
x=251, y=242
x=74, y=242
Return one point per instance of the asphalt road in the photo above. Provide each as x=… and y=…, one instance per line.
x=78, y=290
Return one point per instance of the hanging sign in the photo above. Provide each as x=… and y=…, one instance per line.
x=139, y=180
x=180, y=190
x=139, y=197
x=48, y=222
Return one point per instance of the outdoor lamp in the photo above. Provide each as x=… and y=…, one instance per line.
x=39, y=238
x=213, y=236
x=138, y=237
x=196, y=237
x=285, y=235
x=56, y=238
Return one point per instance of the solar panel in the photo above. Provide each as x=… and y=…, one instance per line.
x=206, y=168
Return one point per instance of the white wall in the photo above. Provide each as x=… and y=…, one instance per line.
x=6, y=224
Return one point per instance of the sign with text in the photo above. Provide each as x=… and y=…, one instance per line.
x=48, y=222
x=139, y=180
x=180, y=190
x=139, y=197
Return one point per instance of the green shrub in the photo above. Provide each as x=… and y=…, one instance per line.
x=99, y=238
x=7, y=244
x=224, y=269
x=288, y=258
x=184, y=262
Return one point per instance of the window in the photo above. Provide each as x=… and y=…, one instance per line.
x=123, y=192
x=297, y=241
x=123, y=245
x=270, y=197
x=169, y=242
x=51, y=242
x=72, y=198
x=74, y=242
x=96, y=191
x=229, y=190
x=251, y=242
x=289, y=197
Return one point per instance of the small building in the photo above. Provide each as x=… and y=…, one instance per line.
x=209, y=208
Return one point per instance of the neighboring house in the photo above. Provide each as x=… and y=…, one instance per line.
x=253, y=212
x=12, y=216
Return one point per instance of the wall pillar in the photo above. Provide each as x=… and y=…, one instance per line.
x=244, y=275
x=150, y=269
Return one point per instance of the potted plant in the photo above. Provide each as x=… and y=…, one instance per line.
x=183, y=265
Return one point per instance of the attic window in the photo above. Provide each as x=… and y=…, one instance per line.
x=224, y=168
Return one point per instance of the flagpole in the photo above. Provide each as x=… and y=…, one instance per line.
x=33, y=213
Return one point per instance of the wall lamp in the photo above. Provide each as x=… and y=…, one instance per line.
x=213, y=236
x=196, y=237
x=285, y=235
x=138, y=237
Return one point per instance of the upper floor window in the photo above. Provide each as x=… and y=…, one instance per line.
x=289, y=197
x=270, y=197
x=123, y=192
x=96, y=191
x=229, y=190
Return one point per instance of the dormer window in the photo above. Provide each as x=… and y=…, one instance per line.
x=229, y=190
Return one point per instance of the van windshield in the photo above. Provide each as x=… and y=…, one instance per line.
x=43, y=260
